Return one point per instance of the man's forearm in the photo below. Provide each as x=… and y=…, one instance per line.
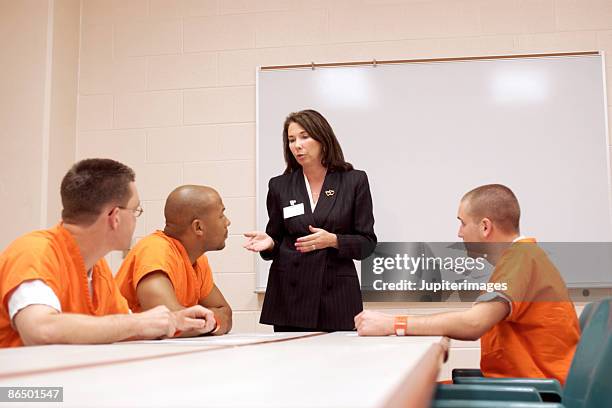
x=69, y=328
x=469, y=324
x=456, y=325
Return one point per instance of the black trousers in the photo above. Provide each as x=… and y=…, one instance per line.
x=279, y=328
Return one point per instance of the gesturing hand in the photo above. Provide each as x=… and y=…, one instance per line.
x=319, y=239
x=258, y=241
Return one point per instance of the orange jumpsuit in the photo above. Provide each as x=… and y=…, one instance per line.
x=53, y=257
x=159, y=252
x=539, y=336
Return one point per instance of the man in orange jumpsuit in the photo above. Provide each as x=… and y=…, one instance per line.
x=55, y=286
x=530, y=329
x=169, y=267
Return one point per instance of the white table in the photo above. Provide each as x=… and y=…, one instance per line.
x=280, y=370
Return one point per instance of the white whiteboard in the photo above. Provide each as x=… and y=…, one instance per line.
x=426, y=133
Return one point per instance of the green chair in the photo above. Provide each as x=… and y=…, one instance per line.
x=491, y=404
x=486, y=392
x=586, y=314
x=588, y=379
x=591, y=371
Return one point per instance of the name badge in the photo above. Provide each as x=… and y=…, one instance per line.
x=293, y=210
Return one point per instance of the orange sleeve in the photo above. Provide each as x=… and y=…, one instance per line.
x=514, y=269
x=153, y=255
x=28, y=258
x=206, y=277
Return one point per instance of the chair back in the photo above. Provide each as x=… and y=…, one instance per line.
x=588, y=383
x=586, y=314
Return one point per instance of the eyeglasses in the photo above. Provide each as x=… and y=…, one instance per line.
x=137, y=211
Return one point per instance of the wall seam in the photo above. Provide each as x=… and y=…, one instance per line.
x=46, y=128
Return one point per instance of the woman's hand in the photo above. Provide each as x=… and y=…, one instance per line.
x=258, y=241
x=319, y=239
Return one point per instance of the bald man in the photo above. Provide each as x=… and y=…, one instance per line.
x=529, y=329
x=169, y=267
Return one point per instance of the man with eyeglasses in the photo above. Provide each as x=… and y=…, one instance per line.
x=170, y=268
x=56, y=287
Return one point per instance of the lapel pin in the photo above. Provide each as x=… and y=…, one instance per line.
x=291, y=202
x=329, y=193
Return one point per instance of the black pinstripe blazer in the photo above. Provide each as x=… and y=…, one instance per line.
x=318, y=289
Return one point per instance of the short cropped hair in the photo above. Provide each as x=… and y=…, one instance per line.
x=92, y=184
x=496, y=202
x=320, y=130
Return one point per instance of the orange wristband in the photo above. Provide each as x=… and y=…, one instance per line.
x=400, y=324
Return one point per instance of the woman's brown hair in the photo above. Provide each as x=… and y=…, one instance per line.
x=320, y=130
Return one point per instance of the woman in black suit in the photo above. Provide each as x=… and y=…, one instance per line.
x=320, y=219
